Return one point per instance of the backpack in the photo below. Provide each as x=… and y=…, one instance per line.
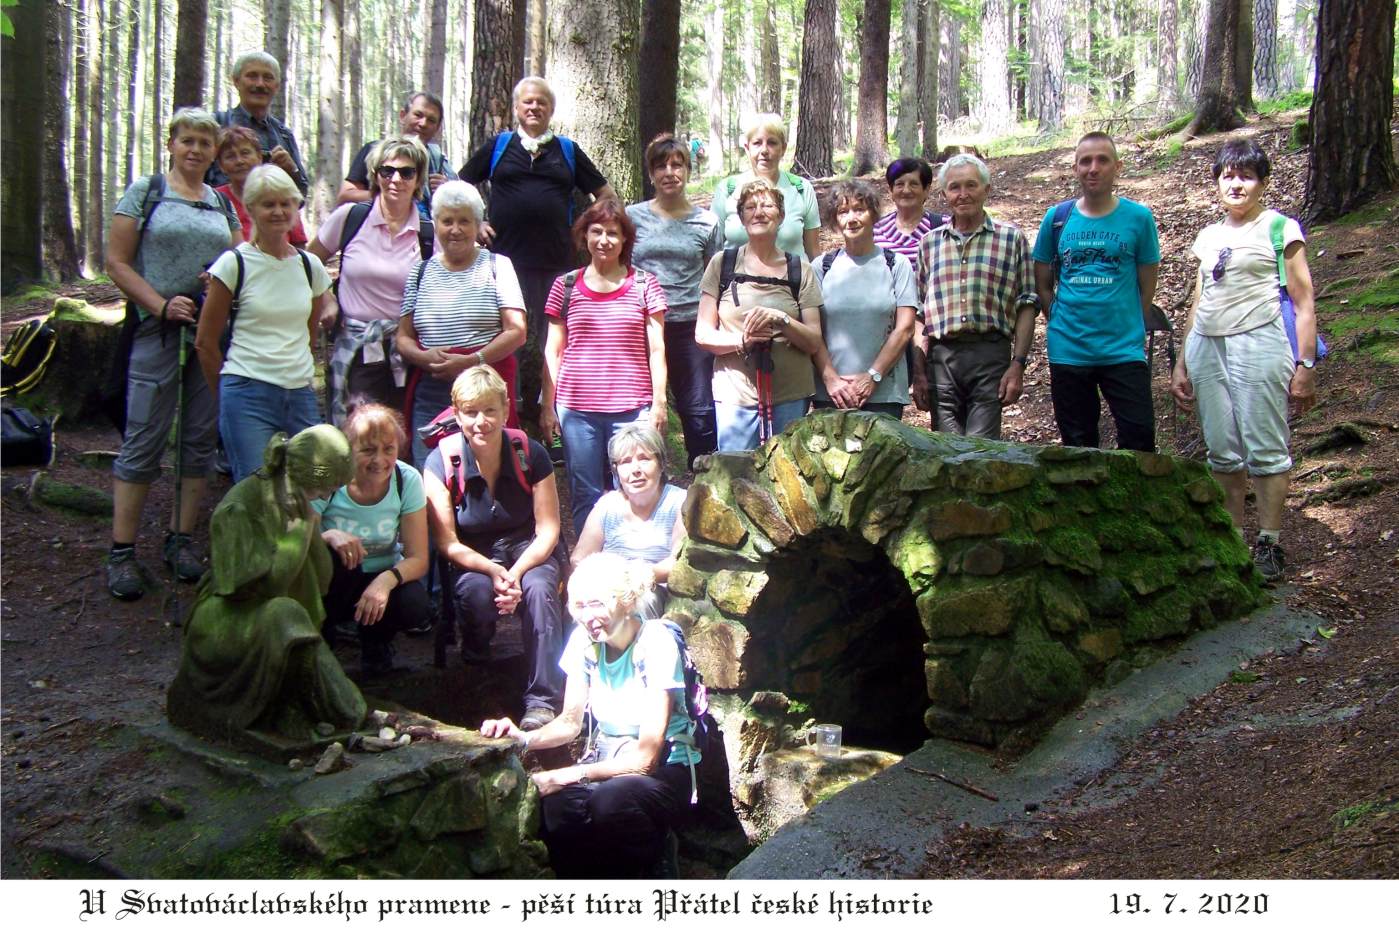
x=828, y=259
x=27, y=353
x=227, y=339
x=570, y=278
x=443, y=433
x=25, y=439
x=1289, y=311
x=355, y=219
x=566, y=147
x=728, y=278
x=701, y=730
x=1062, y=210
x=796, y=181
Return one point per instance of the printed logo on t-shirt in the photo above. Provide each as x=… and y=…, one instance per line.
x=1091, y=257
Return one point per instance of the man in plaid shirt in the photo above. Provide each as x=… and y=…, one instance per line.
x=977, y=287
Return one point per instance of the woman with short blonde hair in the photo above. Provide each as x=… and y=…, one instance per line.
x=765, y=143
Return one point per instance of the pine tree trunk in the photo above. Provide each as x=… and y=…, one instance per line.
x=133, y=73
x=1243, y=59
x=354, y=72
x=111, y=80
x=658, y=70
x=1168, y=78
x=437, y=50
x=96, y=205
x=189, y=54
x=930, y=87
x=496, y=63
x=871, y=114
x=1217, y=107
x=61, y=259
x=276, y=22
x=157, y=87
x=1050, y=38
x=950, y=69
x=82, y=144
x=910, y=73
x=329, y=132
x=22, y=86
x=1352, y=155
x=592, y=63
x=714, y=67
x=992, y=110
x=818, y=90
x=1265, y=48
x=536, y=37
x=771, y=61
x=214, y=80
x=843, y=104
x=1195, y=48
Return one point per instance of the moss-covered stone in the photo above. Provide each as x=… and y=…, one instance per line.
x=734, y=591
x=709, y=519
x=1073, y=548
x=1102, y=644
x=962, y=519
x=762, y=510
x=1062, y=609
x=950, y=611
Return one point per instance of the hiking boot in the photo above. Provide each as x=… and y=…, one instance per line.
x=181, y=557
x=1267, y=557
x=124, y=575
x=424, y=626
x=537, y=718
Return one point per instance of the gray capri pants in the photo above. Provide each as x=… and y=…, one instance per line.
x=151, y=395
x=1241, y=391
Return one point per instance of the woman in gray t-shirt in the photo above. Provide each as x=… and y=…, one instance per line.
x=674, y=241
x=166, y=230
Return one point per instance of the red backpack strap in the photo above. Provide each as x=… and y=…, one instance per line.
x=451, y=449
x=519, y=446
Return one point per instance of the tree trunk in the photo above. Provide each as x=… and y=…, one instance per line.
x=536, y=36
x=771, y=61
x=1265, y=48
x=844, y=103
x=910, y=75
x=1243, y=59
x=133, y=68
x=1304, y=35
x=22, y=217
x=1049, y=36
x=1217, y=107
x=1168, y=78
x=437, y=50
x=658, y=70
x=157, y=87
x=872, y=108
x=1195, y=48
x=498, y=56
x=95, y=229
x=818, y=92
x=950, y=68
x=714, y=66
x=189, y=54
x=61, y=258
x=930, y=89
x=82, y=145
x=992, y=110
x=1352, y=155
x=111, y=80
x=329, y=133
x=354, y=72
x=592, y=61
x=276, y=22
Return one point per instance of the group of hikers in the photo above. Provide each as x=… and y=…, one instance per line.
x=450, y=326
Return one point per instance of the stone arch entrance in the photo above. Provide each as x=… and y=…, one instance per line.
x=1033, y=572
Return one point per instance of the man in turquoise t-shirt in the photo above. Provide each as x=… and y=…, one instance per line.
x=1105, y=272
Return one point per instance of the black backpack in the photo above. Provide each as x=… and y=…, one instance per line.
x=728, y=278
x=27, y=353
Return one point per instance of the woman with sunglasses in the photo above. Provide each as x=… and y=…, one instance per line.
x=378, y=249
x=1239, y=368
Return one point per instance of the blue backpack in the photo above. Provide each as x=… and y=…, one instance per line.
x=566, y=146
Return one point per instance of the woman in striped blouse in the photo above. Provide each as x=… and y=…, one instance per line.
x=461, y=308
x=902, y=229
x=605, y=356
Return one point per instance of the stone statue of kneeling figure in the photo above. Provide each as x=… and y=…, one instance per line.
x=255, y=671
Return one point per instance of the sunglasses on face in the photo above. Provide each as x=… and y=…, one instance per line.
x=406, y=172
x=1223, y=263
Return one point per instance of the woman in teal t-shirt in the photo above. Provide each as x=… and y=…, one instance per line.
x=376, y=528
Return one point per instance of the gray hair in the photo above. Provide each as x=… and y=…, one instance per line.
x=453, y=195
x=258, y=56
x=959, y=160
x=269, y=181
x=632, y=437
x=850, y=189
x=393, y=147
x=535, y=81
x=761, y=187
x=196, y=120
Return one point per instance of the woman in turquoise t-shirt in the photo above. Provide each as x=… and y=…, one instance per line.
x=631, y=786
x=376, y=528
x=765, y=141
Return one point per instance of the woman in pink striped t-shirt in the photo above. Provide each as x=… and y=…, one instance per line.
x=605, y=356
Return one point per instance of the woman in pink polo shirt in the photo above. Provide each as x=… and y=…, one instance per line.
x=605, y=356
x=379, y=244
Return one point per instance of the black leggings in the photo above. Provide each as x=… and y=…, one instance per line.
x=614, y=828
x=407, y=604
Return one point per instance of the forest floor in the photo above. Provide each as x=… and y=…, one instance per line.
x=1289, y=769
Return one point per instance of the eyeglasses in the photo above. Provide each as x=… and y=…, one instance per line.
x=1223, y=263
x=406, y=172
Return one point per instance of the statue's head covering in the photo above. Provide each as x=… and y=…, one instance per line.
x=317, y=458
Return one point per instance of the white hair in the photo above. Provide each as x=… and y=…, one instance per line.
x=458, y=194
x=959, y=160
x=532, y=81
x=269, y=181
x=196, y=120
x=258, y=56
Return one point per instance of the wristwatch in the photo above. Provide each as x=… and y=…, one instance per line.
x=1307, y=364
x=876, y=375
x=786, y=319
x=1022, y=360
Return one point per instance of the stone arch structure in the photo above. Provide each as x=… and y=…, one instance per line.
x=1032, y=572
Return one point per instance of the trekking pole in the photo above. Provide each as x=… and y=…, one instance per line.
x=179, y=466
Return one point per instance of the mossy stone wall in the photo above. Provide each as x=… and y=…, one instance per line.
x=1035, y=572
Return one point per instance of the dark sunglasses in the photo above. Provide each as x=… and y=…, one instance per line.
x=406, y=172
x=1220, y=266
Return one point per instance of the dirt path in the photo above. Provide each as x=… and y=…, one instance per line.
x=1292, y=771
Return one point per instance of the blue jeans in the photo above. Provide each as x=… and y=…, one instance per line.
x=585, y=437
x=251, y=411
x=738, y=424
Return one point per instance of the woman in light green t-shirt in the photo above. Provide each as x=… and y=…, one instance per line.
x=765, y=141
